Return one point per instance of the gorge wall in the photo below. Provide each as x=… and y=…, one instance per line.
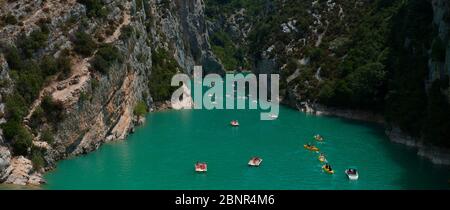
x=72, y=73
x=105, y=54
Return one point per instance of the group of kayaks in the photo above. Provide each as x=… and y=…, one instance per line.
x=351, y=173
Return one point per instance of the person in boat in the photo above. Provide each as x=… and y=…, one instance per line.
x=328, y=167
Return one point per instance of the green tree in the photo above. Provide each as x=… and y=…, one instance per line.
x=105, y=57
x=84, y=44
x=140, y=109
x=22, y=141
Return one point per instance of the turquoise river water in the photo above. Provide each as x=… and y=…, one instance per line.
x=162, y=154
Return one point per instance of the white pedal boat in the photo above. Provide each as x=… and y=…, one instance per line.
x=255, y=161
x=352, y=174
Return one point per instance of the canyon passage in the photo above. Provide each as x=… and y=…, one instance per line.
x=162, y=154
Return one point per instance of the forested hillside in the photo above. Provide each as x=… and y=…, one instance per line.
x=386, y=56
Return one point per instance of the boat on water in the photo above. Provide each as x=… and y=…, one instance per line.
x=352, y=174
x=273, y=116
x=201, y=167
x=327, y=168
x=255, y=161
x=234, y=123
x=318, y=137
x=322, y=158
x=311, y=147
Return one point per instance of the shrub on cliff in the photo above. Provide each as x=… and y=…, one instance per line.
x=84, y=44
x=126, y=32
x=37, y=158
x=48, y=65
x=22, y=141
x=94, y=8
x=36, y=40
x=29, y=80
x=164, y=67
x=224, y=48
x=64, y=66
x=140, y=109
x=13, y=58
x=105, y=57
x=10, y=19
x=53, y=110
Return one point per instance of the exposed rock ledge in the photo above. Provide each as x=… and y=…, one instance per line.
x=20, y=172
x=435, y=154
x=361, y=115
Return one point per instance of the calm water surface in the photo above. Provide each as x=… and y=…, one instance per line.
x=162, y=154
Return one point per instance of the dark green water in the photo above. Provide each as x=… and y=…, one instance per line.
x=161, y=155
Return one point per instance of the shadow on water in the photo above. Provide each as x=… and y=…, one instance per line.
x=417, y=172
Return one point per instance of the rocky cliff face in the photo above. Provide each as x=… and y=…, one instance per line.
x=97, y=107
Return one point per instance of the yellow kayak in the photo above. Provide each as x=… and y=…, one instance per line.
x=327, y=170
x=311, y=148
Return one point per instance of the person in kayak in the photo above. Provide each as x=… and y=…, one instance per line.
x=328, y=167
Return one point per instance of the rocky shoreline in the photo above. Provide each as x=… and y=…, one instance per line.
x=434, y=154
x=361, y=115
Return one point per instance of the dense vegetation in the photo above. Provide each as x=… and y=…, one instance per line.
x=94, y=8
x=140, y=109
x=228, y=48
x=105, y=57
x=29, y=71
x=374, y=58
x=84, y=44
x=164, y=67
x=227, y=52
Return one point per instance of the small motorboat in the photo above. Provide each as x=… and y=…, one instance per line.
x=234, y=123
x=327, y=168
x=201, y=167
x=255, y=161
x=322, y=158
x=318, y=137
x=311, y=147
x=352, y=174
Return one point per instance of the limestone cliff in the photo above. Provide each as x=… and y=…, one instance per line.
x=97, y=107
